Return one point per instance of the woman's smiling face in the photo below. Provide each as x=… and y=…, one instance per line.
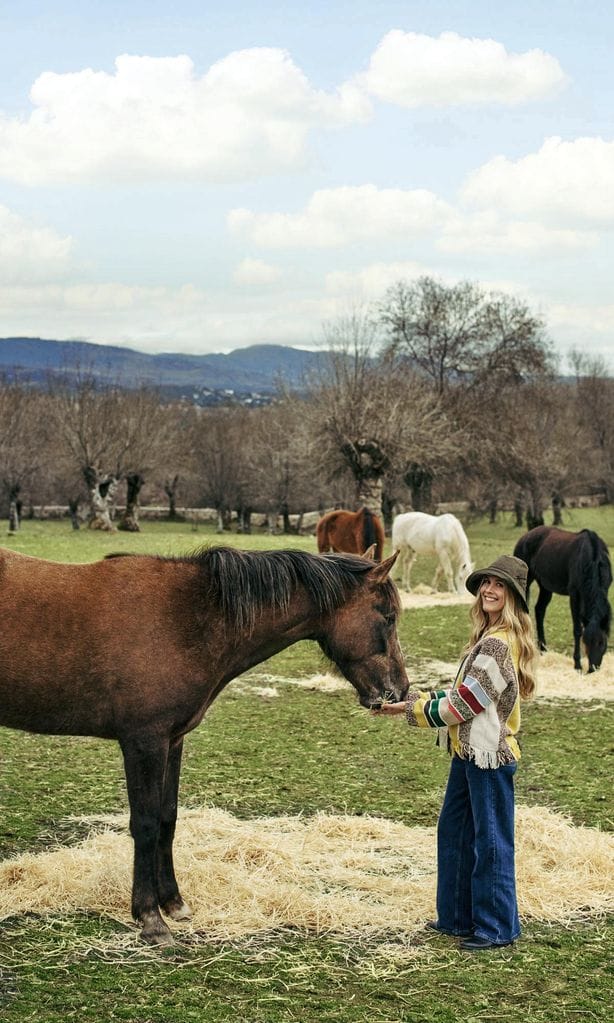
x=492, y=592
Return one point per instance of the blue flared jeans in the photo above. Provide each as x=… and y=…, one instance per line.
x=476, y=884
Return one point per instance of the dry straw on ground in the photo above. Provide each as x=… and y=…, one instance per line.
x=426, y=596
x=338, y=875
x=557, y=678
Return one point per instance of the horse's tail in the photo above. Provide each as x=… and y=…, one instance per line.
x=463, y=543
x=372, y=533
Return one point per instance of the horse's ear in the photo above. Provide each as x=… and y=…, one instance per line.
x=380, y=572
x=370, y=553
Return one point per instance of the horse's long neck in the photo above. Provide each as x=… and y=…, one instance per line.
x=274, y=631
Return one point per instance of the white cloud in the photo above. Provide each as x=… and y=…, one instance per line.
x=162, y=319
x=28, y=252
x=370, y=283
x=340, y=216
x=414, y=70
x=566, y=182
x=255, y=272
x=155, y=119
x=487, y=233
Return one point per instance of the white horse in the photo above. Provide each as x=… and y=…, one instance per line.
x=417, y=533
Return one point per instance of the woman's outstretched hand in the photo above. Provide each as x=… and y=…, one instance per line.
x=390, y=708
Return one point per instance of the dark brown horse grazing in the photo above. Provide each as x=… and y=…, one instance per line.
x=577, y=564
x=136, y=648
x=352, y=532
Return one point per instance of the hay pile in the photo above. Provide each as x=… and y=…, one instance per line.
x=426, y=596
x=556, y=678
x=338, y=875
x=322, y=682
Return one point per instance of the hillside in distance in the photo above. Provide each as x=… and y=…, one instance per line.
x=257, y=369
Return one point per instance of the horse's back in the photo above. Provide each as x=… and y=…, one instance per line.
x=413, y=529
x=551, y=555
x=74, y=635
x=328, y=527
x=426, y=533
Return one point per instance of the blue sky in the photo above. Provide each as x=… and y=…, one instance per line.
x=199, y=177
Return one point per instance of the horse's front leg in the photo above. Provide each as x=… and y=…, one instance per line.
x=444, y=567
x=576, y=617
x=410, y=557
x=169, y=897
x=545, y=596
x=145, y=761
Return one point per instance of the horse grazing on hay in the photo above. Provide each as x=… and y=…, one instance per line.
x=416, y=533
x=136, y=648
x=578, y=565
x=352, y=532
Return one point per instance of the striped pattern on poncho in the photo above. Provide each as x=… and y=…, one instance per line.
x=481, y=711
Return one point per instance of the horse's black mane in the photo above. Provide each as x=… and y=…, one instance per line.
x=243, y=583
x=597, y=578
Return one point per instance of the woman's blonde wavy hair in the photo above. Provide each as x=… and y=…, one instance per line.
x=514, y=619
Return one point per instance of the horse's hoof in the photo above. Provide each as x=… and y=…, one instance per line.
x=155, y=932
x=158, y=937
x=179, y=911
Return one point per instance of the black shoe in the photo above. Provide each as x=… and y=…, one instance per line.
x=434, y=926
x=476, y=944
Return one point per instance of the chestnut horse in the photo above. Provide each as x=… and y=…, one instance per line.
x=136, y=648
x=577, y=564
x=352, y=532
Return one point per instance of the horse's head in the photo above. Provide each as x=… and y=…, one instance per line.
x=464, y=570
x=595, y=641
x=361, y=638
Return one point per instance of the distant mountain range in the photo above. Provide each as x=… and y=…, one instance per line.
x=254, y=371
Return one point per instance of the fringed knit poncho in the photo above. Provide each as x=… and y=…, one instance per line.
x=480, y=713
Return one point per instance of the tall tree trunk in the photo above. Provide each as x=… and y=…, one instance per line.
x=244, y=519
x=557, y=509
x=285, y=511
x=101, y=495
x=519, y=509
x=129, y=521
x=388, y=504
x=535, y=510
x=15, y=506
x=73, y=507
x=170, y=489
x=419, y=479
x=370, y=489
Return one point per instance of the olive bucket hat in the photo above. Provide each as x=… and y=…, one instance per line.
x=508, y=569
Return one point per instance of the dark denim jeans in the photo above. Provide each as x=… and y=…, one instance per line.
x=476, y=886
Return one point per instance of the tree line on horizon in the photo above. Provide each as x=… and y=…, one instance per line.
x=435, y=393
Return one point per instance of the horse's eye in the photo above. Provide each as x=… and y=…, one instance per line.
x=390, y=619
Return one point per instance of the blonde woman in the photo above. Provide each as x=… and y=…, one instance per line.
x=479, y=717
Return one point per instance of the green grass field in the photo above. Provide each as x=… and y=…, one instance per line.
x=304, y=752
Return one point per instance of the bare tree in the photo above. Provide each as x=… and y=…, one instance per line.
x=594, y=402
x=111, y=433
x=374, y=416
x=530, y=443
x=22, y=437
x=460, y=335
x=217, y=444
x=282, y=474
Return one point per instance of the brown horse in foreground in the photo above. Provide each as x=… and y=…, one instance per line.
x=136, y=648
x=352, y=532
